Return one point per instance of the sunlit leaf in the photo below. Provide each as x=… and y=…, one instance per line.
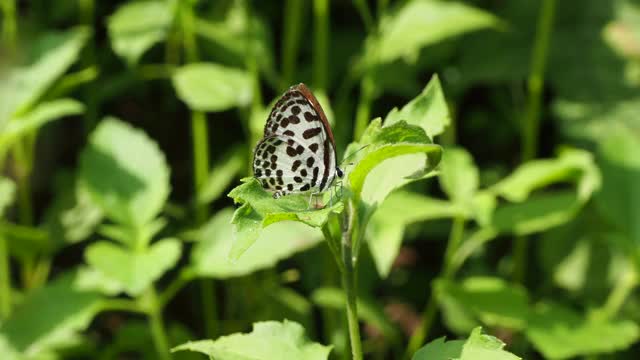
x=212, y=87
x=7, y=193
x=485, y=347
x=222, y=175
x=134, y=269
x=268, y=340
x=439, y=349
x=136, y=26
x=419, y=23
x=125, y=173
x=210, y=257
x=49, y=317
x=459, y=176
x=560, y=333
x=259, y=209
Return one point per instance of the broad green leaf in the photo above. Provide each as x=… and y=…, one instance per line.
x=212, y=87
x=53, y=54
x=37, y=117
x=134, y=269
x=125, y=173
x=491, y=300
x=368, y=309
x=268, y=340
x=210, y=257
x=50, y=317
x=222, y=175
x=138, y=25
x=90, y=279
x=485, y=347
x=428, y=110
x=385, y=143
x=570, y=166
x=439, y=349
x=7, y=193
x=560, y=333
x=619, y=199
x=420, y=23
x=259, y=209
x=387, y=225
x=459, y=176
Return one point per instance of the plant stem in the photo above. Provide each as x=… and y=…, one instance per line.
x=9, y=26
x=5, y=279
x=365, y=14
x=199, y=133
x=158, y=333
x=349, y=283
x=321, y=49
x=363, y=113
x=531, y=123
x=178, y=283
x=448, y=270
x=625, y=285
x=293, y=14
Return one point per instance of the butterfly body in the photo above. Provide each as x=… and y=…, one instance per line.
x=297, y=153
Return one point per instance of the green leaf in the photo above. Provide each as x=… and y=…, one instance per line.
x=22, y=87
x=485, y=347
x=439, y=349
x=387, y=225
x=619, y=199
x=491, y=300
x=7, y=194
x=369, y=310
x=459, y=176
x=429, y=110
x=49, y=317
x=210, y=257
x=212, y=87
x=222, y=175
x=384, y=143
x=135, y=270
x=560, y=333
x=37, y=117
x=259, y=209
x=420, y=23
x=131, y=190
x=571, y=165
x=268, y=340
x=136, y=26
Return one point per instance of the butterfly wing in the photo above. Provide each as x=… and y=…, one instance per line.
x=298, y=119
x=285, y=166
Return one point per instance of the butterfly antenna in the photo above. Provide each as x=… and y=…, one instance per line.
x=353, y=154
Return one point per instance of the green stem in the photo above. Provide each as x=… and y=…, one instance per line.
x=5, y=279
x=531, y=121
x=293, y=15
x=9, y=26
x=200, y=159
x=363, y=113
x=321, y=49
x=625, y=286
x=349, y=283
x=382, y=7
x=178, y=283
x=210, y=308
x=365, y=14
x=158, y=333
x=448, y=271
x=23, y=165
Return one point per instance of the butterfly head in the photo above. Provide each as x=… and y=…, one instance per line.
x=339, y=172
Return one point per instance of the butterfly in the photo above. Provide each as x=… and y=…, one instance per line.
x=298, y=152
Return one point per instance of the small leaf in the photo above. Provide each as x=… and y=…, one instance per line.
x=420, y=23
x=222, y=175
x=7, y=194
x=268, y=340
x=428, y=110
x=259, y=209
x=387, y=225
x=212, y=87
x=485, y=347
x=22, y=87
x=210, y=257
x=560, y=333
x=368, y=309
x=136, y=26
x=50, y=316
x=131, y=190
x=90, y=279
x=135, y=270
x=439, y=349
x=494, y=302
x=459, y=176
